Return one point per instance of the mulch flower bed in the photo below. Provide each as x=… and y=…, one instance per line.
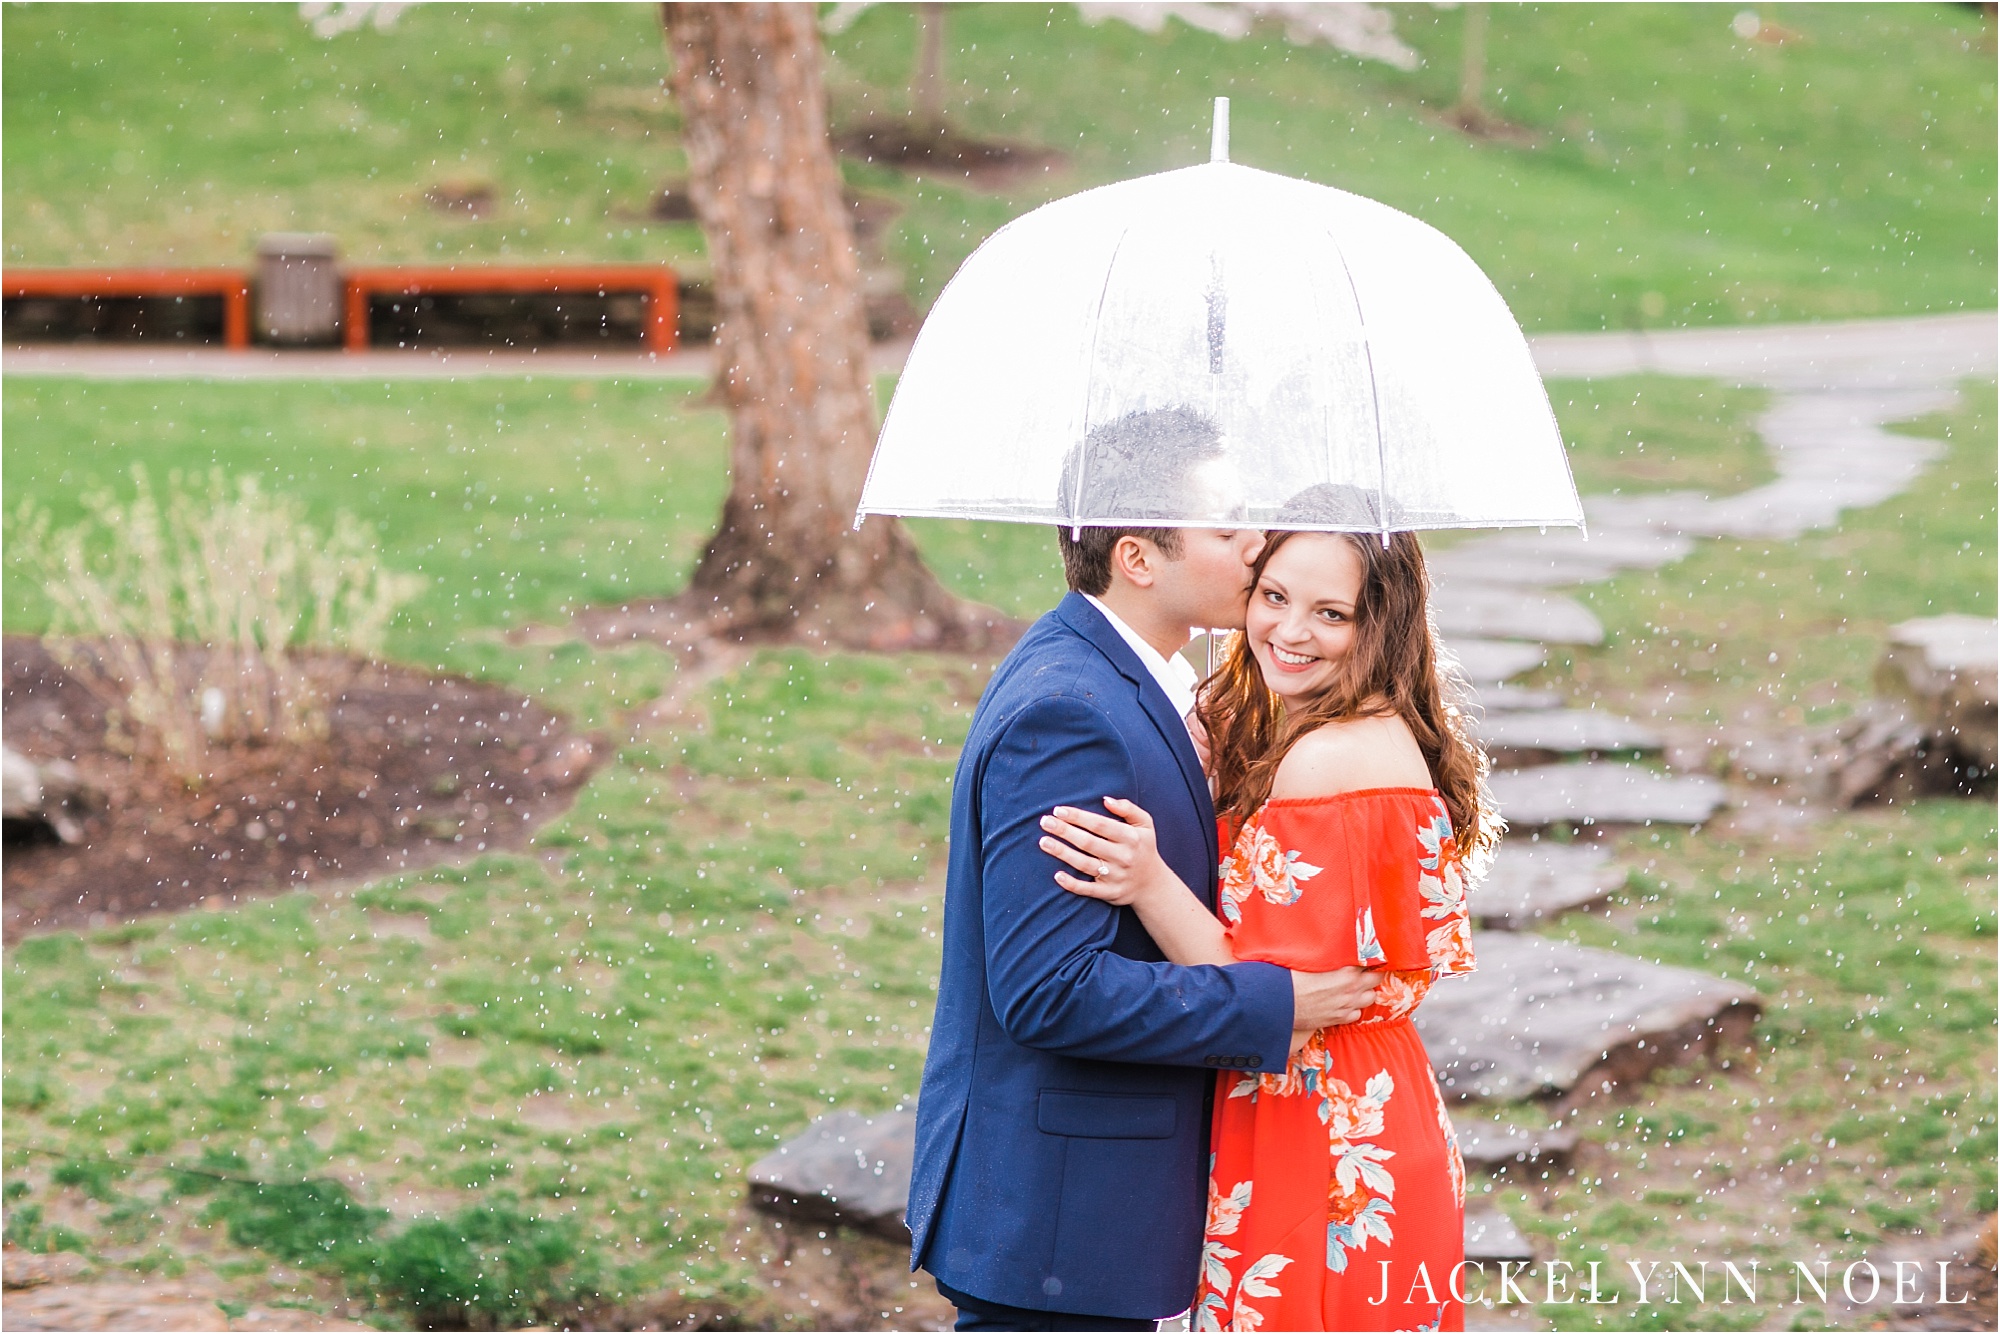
x=417, y=769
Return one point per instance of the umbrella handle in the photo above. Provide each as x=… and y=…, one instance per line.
x=1218, y=136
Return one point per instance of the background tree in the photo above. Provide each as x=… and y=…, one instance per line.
x=1470, y=111
x=927, y=78
x=793, y=339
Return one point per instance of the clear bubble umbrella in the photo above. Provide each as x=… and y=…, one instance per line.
x=1344, y=366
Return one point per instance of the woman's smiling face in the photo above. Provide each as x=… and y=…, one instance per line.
x=1300, y=623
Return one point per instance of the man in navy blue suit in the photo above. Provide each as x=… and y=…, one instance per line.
x=1062, y=1129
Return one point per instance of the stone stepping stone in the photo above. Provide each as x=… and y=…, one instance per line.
x=1491, y=1236
x=1495, y=659
x=1496, y=696
x=1493, y=611
x=1598, y=792
x=1536, y=882
x=1521, y=569
x=1546, y=1019
x=1492, y=1145
x=1553, y=563
x=846, y=1168
x=1607, y=544
x=1945, y=668
x=1660, y=516
x=1543, y=736
x=853, y=1170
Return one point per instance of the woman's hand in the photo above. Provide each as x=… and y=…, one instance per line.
x=1120, y=856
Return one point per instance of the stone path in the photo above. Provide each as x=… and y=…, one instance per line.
x=1546, y=1019
x=1537, y=881
x=1835, y=386
x=1541, y=1018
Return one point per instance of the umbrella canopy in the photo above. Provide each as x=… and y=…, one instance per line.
x=1221, y=345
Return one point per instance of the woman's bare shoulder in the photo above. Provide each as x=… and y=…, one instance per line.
x=1350, y=756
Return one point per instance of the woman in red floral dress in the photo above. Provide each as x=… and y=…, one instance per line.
x=1351, y=802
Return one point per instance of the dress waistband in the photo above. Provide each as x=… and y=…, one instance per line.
x=1370, y=1026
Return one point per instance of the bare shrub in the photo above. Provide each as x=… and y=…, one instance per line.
x=219, y=618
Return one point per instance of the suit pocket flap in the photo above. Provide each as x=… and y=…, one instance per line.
x=1105, y=1115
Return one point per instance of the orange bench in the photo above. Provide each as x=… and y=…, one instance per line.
x=658, y=283
x=229, y=284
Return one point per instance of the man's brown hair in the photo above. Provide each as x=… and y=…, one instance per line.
x=1086, y=557
x=1137, y=467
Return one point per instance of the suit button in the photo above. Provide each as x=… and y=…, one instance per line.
x=1256, y=1062
x=1213, y=1060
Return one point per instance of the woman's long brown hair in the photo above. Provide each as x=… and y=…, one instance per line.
x=1393, y=668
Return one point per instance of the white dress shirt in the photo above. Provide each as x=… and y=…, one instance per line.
x=1175, y=675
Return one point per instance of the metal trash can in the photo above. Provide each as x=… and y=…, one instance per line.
x=298, y=288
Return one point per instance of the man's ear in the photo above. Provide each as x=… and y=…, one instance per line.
x=1136, y=560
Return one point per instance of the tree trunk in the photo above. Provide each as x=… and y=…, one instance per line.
x=793, y=340
x=1471, y=109
x=927, y=80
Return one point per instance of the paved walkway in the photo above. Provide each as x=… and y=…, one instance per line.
x=1876, y=354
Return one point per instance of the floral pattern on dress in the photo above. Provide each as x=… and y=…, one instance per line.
x=1442, y=885
x=1367, y=949
x=1263, y=867
x=1372, y=878
x=1225, y=1215
x=1358, y=1207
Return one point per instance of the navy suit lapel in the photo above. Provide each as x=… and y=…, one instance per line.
x=1078, y=614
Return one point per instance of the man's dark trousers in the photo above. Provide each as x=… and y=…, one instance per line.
x=1062, y=1131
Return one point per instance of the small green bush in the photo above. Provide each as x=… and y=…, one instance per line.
x=486, y=1267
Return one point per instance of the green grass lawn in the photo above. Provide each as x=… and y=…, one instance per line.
x=1668, y=172
x=734, y=928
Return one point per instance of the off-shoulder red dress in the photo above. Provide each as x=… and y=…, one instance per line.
x=1336, y=1194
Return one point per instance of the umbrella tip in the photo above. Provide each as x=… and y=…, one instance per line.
x=1218, y=139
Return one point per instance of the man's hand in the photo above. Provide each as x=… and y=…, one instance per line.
x=1321, y=1000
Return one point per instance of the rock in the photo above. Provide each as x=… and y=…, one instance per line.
x=1606, y=547
x=1542, y=736
x=1945, y=669
x=568, y=763
x=20, y=786
x=1491, y=1236
x=1878, y=754
x=1546, y=1019
x=1533, y=882
x=25, y=1269
x=1497, y=697
x=845, y=1168
x=1557, y=559
x=1494, y=659
x=1465, y=608
x=1599, y=792
x=1520, y=569
x=42, y=799
x=1492, y=1145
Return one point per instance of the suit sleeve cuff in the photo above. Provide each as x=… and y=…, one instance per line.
x=1267, y=1001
